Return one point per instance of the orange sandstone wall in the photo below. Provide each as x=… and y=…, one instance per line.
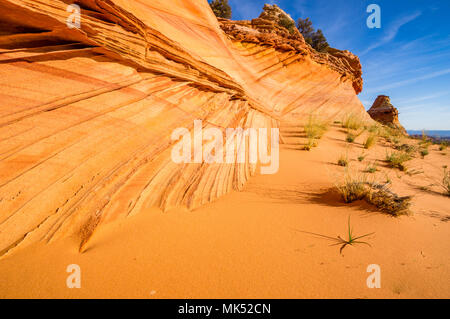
x=87, y=115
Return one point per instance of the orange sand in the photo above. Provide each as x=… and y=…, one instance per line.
x=246, y=244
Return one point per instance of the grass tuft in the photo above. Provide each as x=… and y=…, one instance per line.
x=397, y=160
x=446, y=182
x=370, y=141
x=353, y=122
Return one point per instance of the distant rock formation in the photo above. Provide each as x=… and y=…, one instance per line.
x=385, y=113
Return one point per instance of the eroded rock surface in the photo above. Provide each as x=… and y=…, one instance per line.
x=385, y=113
x=87, y=114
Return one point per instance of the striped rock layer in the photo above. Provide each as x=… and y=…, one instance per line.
x=87, y=114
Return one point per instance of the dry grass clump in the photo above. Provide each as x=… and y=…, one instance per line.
x=397, y=160
x=370, y=141
x=353, y=122
x=357, y=187
x=443, y=146
x=310, y=144
x=314, y=130
x=446, y=182
x=389, y=202
x=353, y=188
x=391, y=135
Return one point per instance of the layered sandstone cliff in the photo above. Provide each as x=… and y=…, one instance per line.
x=87, y=114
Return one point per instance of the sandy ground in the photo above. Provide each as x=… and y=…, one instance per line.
x=249, y=244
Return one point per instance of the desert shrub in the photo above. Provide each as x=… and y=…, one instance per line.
x=443, y=145
x=221, y=8
x=397, y=160
x=370, y=141
x=357, y=187
x=387, y=201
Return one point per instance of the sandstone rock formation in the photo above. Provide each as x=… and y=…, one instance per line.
x=385, y=113
x=87, y=114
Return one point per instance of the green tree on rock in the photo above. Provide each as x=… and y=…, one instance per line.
x=306, y=29
x=315, y=39
x=221, y=8
x=319, y=42
x=287, y=23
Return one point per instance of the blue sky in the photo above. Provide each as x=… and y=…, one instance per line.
x=408, y=58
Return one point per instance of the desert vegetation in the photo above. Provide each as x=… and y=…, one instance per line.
x=397, y=160
x=446, y=181
x=315, y=39
x=343, y=160
x=357, y=187
x=371, y=140
x=314, y=130
x=221, y=8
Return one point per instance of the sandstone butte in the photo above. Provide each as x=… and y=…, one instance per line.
x=385, y=113
x=87, y=114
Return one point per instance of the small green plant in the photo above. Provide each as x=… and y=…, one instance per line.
x=372, y=168
x=350, y=137
x=443, y=145
x=370, y=141
x=350, y=241
x=397, y=160
x=424, y=152
x=343, y=161
x=361, y=157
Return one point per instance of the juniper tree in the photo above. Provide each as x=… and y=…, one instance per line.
x=221, y=8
